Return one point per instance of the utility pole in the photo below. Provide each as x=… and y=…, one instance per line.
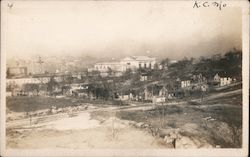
x=40, y=62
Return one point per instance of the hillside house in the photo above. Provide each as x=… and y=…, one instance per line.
x=147, y=94
x=217, y=78
x=145, y=76
x=185, y=83
x=16, y=71
x=199, y=78
x=163, y=91
x=224, y=81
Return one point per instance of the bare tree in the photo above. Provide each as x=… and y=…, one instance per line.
x=52, y=84
x=31, y=87
x=165, y=63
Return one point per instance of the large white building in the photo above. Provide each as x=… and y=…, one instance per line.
x=136, y=62
x=105, y=68
x=118, y=68
x=30, y=80
x=26, y=80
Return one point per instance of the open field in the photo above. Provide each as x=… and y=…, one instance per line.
x=215, y=122
x=26, y=104
x=34, y=103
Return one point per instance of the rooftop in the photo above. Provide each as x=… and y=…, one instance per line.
x=138, y=58
x=108, y=63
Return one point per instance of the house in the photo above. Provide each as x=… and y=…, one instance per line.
x=124, y=97
x=76, y=89
x=147, y=94
x=144, y=76
x=16, y=71
x=154, y=90
x=185, y=83
x=217, y=78
x=158, y=99
x=110, y=68
x=199, y=78
x=163, y=91
x=225, y=81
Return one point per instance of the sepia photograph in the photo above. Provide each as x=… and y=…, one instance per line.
x=124, y=78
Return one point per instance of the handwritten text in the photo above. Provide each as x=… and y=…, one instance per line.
x=205, y=4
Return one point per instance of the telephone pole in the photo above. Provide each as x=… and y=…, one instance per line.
x=40, y=62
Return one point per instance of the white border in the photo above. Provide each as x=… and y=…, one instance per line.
x=140, y=152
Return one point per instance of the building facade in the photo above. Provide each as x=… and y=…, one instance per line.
x=136, y=62
x=27, y=80
x=185, y=83
x=110, y=68
x=225, y=81
x=118, y=68
x=17, y=71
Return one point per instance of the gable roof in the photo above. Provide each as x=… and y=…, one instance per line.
x=223, y=74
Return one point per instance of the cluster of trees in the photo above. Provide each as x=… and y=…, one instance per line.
x=35, y=89
x=229, y=64
x=100, y=91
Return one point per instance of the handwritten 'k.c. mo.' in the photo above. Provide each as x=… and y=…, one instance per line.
x=206, y=4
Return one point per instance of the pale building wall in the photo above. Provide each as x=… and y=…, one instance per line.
x=185, y=84
x=217, y=78
x=22, y=81
x=126, y=63
x=225, y=81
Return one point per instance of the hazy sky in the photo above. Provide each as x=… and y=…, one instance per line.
x=98, y=28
